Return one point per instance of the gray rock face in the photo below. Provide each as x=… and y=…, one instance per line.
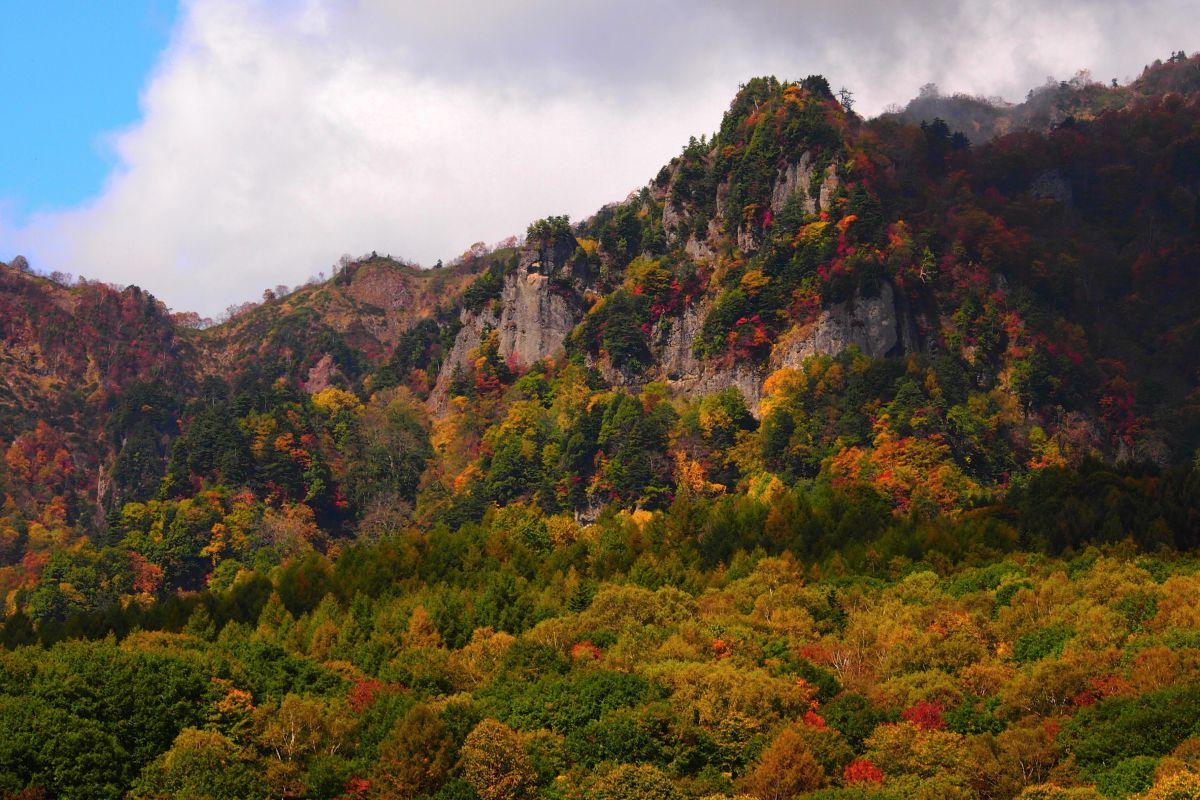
x=691, y=376
x=746, y=240
x=871, y=323
x=702, y=250
x=533, y=322
x=547, y=257
x=533, y=319
x=722, y=199
x=671, y=219
x=829, y=187
x=469, y=337
x=674, y=343
x=876, y=325
x=748, y=379
x=796, y=179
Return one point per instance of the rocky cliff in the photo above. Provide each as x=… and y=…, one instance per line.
x=541, y=303
x=872, y=324
x=537, y=309
x=878, y=326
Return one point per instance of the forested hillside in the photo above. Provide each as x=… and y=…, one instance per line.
x=846, y=458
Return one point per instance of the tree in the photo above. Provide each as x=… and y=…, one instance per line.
x=818, y=85
x=786, y=769
x=628, y=782
x=393, y=452
x=862, y=771
x=43, y=747
x=494, y=763
x=846, y=98
x=17, y=631
x=1180, y=786
x=416, y=756
x=200, y=764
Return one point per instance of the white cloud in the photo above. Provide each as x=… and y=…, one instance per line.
x=278, y=134
x=268, y=148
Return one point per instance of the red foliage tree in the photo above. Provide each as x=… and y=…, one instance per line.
x=861, y=770
x=926, y=716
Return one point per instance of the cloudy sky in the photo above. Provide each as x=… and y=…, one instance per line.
x=210, y=149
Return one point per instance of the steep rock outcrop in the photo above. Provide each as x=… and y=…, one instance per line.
x=879, y=326
x=874, y=324
x=468, y=338
x=674, y=340
x=748, y=378
x=797, y=180
x=533, y=316
x=692, y=376
x=671, y=219
x=703, y=249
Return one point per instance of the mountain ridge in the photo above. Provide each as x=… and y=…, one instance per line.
x=808, y=296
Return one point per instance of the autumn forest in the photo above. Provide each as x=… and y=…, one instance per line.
x=847, y=459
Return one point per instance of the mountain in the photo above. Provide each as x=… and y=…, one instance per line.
x=808, y=296
x=1050, y=104
x=846, y=458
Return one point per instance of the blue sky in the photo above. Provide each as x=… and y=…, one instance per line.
x=70, y=73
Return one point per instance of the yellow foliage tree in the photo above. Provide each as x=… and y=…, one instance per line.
x=333, y=400
x=1180, y=786
x=494, y=763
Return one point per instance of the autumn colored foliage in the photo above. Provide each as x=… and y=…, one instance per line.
x=863, y=465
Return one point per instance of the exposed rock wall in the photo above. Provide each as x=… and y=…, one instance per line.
x=534, y=317
x=674, y=343
x=748, y=378
x=872, y=323
x=469, y=337
x=878, y=326
x=686, y=373
x=797, y=178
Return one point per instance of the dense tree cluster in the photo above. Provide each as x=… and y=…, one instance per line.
x=526, y=657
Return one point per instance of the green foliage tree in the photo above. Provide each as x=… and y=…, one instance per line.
x=200, y=763
x=628, y=782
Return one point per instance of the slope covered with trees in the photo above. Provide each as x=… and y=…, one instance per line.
x=847, y=458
